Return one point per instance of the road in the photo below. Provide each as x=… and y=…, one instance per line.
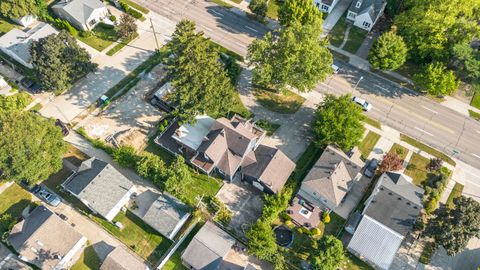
x=402, y=109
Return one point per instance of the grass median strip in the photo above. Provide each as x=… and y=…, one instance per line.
x=372, y=122
x=417, y=169
x=474, y=115
x=456, y=192
x=366, y=146
x=120, y=45
x=401, y=151
x=427, y=149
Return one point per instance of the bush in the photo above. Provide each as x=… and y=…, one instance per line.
x=432, y=205
x=86, y=34
x=289, y=224
x=435, y=164
x=325, y=217
x=285, y=216
x=316, y=231
x=125, y=156
x=105, y=26
x=132, y=12
x=113, y=18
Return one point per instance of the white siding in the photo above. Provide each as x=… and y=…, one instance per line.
x=113, y=213
x=97, y=15
x=73, y=255
x=361, y=19
x=375, y=243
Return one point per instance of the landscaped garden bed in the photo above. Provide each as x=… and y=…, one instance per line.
x=427, y=149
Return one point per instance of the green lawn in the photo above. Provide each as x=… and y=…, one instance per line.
x=338, y=32
x=239, y=108
x=476, y=98
x=456, y=192
x=427, y=149
x=335, y=225
x=355, y=39
x=101, y=37
x=399, y=150
x=354, y=263
x=409, y=68
x=474, y=115
x=417, y=169
x=286, y=102
x=137, y=235
x=136, y=6
x=88, y=261
x=120, y=45
x=13, y=200
x=202, y=185
x=6, y=26
x=270, y=128
x=366, y=146
x=372, y=122
x=304, y=163
x=175, y=262
x=272, y=9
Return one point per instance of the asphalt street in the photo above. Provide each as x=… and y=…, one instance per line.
x=400, y=108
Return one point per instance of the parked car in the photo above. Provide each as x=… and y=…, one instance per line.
x=363, y=103
x=371, y=168
x=62, y=125
x=31, y=85
x=335, y=68
x=46, y=195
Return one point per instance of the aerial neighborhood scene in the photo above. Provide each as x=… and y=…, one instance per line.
x=240, y=134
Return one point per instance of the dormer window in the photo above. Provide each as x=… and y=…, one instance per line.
x=358, y=4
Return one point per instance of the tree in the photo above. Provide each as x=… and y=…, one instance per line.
x=453, y=228
x=201, y=83
x=467, y=61
x=152, y=167
x=49, y=57
x=436, y=80
x=31, y=147
x=275, y=204
x=389, y=52
x=15, y=9
x=338, y=121
x=435, y=164
x=178, y=177
x=261, y=240
x=329, y=255
x=295, y=56
x=299, y=11
x=127, y=28
x=390, y=162
x=126, y=156
x=259, y=7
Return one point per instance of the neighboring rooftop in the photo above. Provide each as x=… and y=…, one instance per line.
x=43, y=238
x=9, y=261
x=80, y=10
x=208, y=247
x=193, y=135
x=372, y=7
x=120, y=259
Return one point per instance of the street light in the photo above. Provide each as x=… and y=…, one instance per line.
x=361, y=78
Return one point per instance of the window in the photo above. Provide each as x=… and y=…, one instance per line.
x=366, y=24
x=351, y=15
x=324, y=7
x=358, y=4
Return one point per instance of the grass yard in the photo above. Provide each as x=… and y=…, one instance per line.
x=474, y=115
x=372, y=122
x=334, y=227
x=304, y=163
x=399, y=150
x=75, y=156
x=13, y=200
x=456, y=192
x=409, y=68
x=239, y=108
x=427, y=149
x=475, y=100
x=366, y=146
x=88, y=261
x=355, y=39
x=338, y=32
x=202, y=185
x=417, y=169
x=137, y=235
x=120, y=45
x=175, y=262
x=101, y=37
x=286, y=102
x=272, y=9
x=136, y=6
x=5, y=26
x=354, y=263
x=270, y=128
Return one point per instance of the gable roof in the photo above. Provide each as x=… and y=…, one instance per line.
x=396, y=203
x=372, y=7
x=43, y=238
x=331, y=176
x=80, y=10
x=193, y=135
x=8, y=261
x=163, y=212
x=120, y=259
x=100, y=184
x=269, y=165
x=208, y=247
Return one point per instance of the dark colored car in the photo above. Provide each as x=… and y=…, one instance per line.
x=371, y=168
x=31, y=85
x=62, y=125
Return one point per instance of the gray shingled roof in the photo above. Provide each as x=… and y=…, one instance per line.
x=80, y=10
x=163, y=212
x=372, y=7
x=208, y=248
x=120, y=259
x=100, y=184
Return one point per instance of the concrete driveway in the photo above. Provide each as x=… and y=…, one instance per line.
x=335, y=15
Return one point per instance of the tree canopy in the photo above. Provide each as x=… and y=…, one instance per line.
x=49, y=56
x=436, y=80
x=295, y=56
x=338, y=121
x=299, y=11
x=127, y=28
x=261, y=240
x=328, y=255
x=258, y=7
x=390, y=162
x=15, y=9
x=31, y=147
x=389, y=52
x=453, y=228
x=202, y=85
x=178, y=177
x=467, y=61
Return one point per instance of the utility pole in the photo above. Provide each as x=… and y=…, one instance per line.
x=361, y=78
x=155, y=35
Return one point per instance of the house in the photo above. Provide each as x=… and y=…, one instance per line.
x=26, y=20
x=82, y=14
x=9, y=261
x=120, y=259
x=100, y=187
x=389, y=215
x=163, y=212
x=326, y=5
x=365, y=13
x=16, y=43
x=230, y=148
x=45, y=240
x=208, y=248
x=4, y=86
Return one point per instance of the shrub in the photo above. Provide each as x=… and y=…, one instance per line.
x=125, y=156
x=161, y=128
x=432, y=205
x=325, y=217
x=105, y=26
x=86, y=34
x=132, y=12
x=435, y=164
x=285, y=216
x=316, y=231
x=113, y=18
x=289, y=224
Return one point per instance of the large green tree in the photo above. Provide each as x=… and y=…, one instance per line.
x=261, y=240
x=202, y=85
x=467, y=61
x=328, y=255
x=453, y=228
x=126, y=28
x=436, y=80
x=338, y=121
x=15, y=9
x=295, y=56
x=59, y=61
x=299, y=11
x=258, y=7
x=178, y=177
x=31, y=147
x=389, y=52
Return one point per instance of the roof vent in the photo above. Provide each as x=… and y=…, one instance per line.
x=390, y=193
x=373, y=201
x=399, y=198
x=415, y=207
x=408, y=203
x=381, y=188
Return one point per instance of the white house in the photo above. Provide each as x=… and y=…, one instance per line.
x=325, y=5
x=365, y=13
x=82, y=14
x=26, y=20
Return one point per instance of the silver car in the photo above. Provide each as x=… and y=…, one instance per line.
x=49, y=197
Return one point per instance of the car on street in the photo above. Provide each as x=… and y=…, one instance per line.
x=335, y=68
x=46, y=195
x=363, y=103
x=30, y=85
x=62, y=126
x=371, y=167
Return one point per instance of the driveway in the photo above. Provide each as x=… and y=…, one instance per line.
x=353, y=197
x=335, y=15
x=111, y=70
x=469, y=259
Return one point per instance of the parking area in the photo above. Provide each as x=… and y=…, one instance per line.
x=244, y=201
x=130, y=119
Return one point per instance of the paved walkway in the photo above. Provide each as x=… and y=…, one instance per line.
x=345, y=36
x=367, y=43
x=4, y=186
x=458, y=105
x=335, y=15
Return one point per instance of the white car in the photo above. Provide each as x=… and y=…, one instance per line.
x=363, y=103
x=335, y=68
